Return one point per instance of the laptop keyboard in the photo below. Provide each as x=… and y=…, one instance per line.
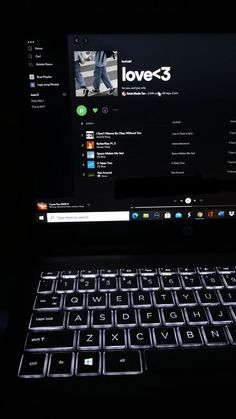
x=113, y=321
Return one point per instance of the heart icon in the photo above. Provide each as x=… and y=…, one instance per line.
x=95, y=110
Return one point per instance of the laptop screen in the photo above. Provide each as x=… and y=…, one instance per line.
x=133, y=127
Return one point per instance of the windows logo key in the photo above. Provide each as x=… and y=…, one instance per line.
x=88, y=362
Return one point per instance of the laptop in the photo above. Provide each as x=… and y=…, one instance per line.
x=132, y=142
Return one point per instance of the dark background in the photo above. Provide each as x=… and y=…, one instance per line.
x=41, y=15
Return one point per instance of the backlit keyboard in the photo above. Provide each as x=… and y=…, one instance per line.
x=113, y=321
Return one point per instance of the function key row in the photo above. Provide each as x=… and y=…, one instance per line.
x=93, y=273
x=87, y=273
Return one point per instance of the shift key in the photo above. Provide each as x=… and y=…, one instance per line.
x=46, y=341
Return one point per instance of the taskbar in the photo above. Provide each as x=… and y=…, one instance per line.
x=137, y=215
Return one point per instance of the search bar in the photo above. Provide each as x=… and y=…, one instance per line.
x=77, y=217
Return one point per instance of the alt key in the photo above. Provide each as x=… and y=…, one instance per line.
x=122, y=363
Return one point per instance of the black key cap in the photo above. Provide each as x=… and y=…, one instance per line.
x=89, y=339
x=189, y=336
x=163, y=298
x=108, y=284
x=170, y=282
x=149, y=283
x=129, y=283
x=139, y=338
x=141, y=299
x=126, y=318
x=233, y=312
x=65, y=285
x=48, y=302
x=87, y=284
x=208, y=297
x=206, y=269
x=33, y=365
x=212, y=281
x=50, y=274
x=114, y=339
x=119, y=300
x=128, y=272
x=98, y=300
x=214, y=335
x=232, y=333
x=88, y=363
x=172, y=316
x=166, y=270
x=230, y=280
x=165, y=337
x=191, y=282
x=186, y=298
x=78, y=319
x=228, y=297
x=69, y=274
x=102, y=318
x=61, y=365
x=148, y=272
x=45, y=286
x=89, y=273
x=186, y=270
x=219, y=315
x=225, y=269
x=47, y=320
x=122, y=362
x=149, y=317
x=74, y=301
x=196, y=315
x=109, y=272
x=43, y=341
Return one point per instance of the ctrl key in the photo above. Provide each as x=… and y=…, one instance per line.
x=33, y=365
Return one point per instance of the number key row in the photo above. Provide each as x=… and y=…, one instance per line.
x=134, y=283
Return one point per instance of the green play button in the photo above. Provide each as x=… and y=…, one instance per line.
x=81, y=110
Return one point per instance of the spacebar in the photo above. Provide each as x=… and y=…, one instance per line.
x=206, y=358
